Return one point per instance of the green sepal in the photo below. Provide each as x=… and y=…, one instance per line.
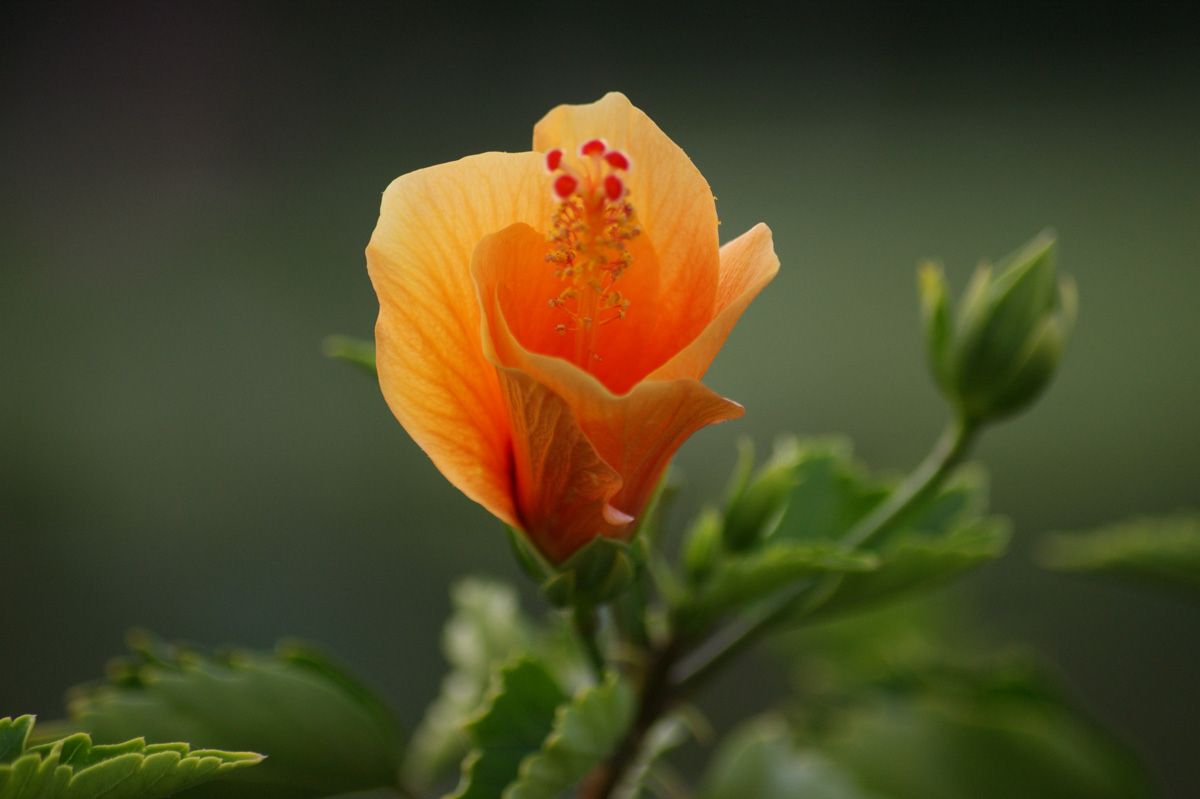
x=585, y=732
x=1157, y=551
x=535, y=566
x=322, y=731
x=598, y=572
x=75, y=768
x=996, y=320
x=1006, y=338
x=354, y=351
x=936, y=319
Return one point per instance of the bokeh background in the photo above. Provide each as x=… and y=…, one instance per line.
x=187, y=189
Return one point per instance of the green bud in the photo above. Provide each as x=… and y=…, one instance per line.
x=995, y=353
x=702, y=547
x=594, y=575
x=755, y=508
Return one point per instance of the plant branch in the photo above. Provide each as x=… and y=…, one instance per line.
x=656, y=697
x=663, y=687
x=947, y=453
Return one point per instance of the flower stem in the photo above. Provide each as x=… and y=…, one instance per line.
x=947, y=453
x=585, y=620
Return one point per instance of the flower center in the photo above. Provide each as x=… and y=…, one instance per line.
x=589, y=236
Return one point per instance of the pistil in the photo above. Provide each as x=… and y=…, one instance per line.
x=590, y=232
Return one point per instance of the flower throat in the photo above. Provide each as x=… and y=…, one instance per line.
x=589, y=236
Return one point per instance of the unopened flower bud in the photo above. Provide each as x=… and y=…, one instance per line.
x=758, y=503
x=702, y=547
x=995, y=353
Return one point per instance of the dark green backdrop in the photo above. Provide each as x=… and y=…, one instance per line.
x=187, y=190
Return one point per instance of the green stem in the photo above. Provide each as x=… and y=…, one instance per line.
x=949, y=451
x=662, y=689
x=584, y=618
x=946, y=454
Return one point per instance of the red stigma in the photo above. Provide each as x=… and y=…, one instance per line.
x=565, y=185
x=593, y=147
x=614, y=189
x=616, y=159
x=553, y=159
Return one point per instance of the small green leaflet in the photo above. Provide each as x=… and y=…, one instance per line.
x=1162, y=551
x=532, y=741
x=516, y=720
x=74, y=768
x=585, y=732
x=353, y=351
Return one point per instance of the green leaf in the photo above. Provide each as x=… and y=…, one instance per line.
x=738, y=580
x=485, y=630
x=930, y=543
x=585, y=732
x=323, y=732
x=915, y=704
x=914, y=561
x=74, y=768
x=995, y=742
x=516, y=719
x=353, y=351
x=933, y=542
x=1163, y=551
x=832, y=493
x=760, y=761
x=13, y=735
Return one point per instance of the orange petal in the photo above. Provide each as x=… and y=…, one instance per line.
x=675, y=209
x=562, y=486
x=636, y=433
x=748, y=264
x=432, y=369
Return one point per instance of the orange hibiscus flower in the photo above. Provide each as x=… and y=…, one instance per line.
x=545, y=318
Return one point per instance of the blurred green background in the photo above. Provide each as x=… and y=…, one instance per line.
x=188, y=188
